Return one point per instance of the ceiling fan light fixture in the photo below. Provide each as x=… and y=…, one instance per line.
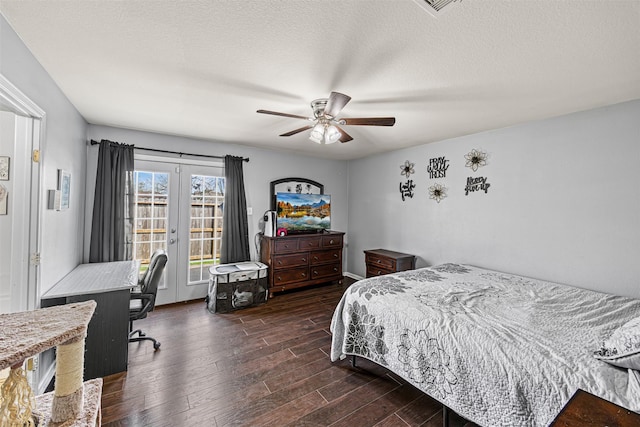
x=331, y=135
x=325, y=126
x=317, y=133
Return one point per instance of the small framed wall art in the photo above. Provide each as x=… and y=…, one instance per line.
x=4, y=168
x=4, y=196
x=64, y=186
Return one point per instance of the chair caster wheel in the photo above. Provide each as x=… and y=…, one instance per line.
x=156, y=345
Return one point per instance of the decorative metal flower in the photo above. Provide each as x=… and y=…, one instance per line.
x=407, y=168
x=437, y=192
x=475, y=159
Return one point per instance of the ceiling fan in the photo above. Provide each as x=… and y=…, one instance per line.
x=326, y=125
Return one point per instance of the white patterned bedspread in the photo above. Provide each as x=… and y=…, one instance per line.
x=499, y=349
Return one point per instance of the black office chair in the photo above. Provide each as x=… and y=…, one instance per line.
x=143, y=300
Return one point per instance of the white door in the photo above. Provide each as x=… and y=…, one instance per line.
x=179, y=209
x=18, y=212
x=202, y=192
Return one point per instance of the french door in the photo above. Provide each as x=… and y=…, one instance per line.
x=178, y=207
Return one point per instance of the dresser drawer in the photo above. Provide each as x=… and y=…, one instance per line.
x=282, y=277
x=374, y=270
x=309, y=243
x=332, y=241
x=380, y=262
x=285, y=245
x=325, y=256
x=326, y=270
x=293, y=260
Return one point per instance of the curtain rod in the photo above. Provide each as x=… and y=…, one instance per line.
x=246, y=159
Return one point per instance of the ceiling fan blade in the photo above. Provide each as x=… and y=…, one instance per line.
x=369, y=121
x=293, y=132
x=336, y=102
x=344, y=137
x=275, y=113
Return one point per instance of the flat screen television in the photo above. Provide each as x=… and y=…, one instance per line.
x=303, y=213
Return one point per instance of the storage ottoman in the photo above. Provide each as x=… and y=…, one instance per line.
x=236, y=286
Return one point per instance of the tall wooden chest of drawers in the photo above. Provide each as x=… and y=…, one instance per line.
x=300, y=260
x=383, y=261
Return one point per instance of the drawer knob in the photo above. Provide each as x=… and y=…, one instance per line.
x=335, y=268
x=315, y=258
x=304, y=260
x=331, y=241
x=379, y=273
x=279, y=279
x=304, y=274
x=335, y=255
x=279, y=262
x=379, y=261
x=315, y=272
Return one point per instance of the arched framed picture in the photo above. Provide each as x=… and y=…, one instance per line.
x=294, y=185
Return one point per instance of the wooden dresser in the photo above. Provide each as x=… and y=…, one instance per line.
x=300, y=260
x=383, y=261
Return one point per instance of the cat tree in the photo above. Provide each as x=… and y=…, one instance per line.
x=25, y=334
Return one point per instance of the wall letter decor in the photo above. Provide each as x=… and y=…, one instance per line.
x=406, y=189
x=476, y=184
x=438, y=167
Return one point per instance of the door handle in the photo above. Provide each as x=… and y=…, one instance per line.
x=172, y=241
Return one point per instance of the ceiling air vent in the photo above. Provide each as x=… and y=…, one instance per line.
x=436, y=7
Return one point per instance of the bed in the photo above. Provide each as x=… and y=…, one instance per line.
x=496, y=348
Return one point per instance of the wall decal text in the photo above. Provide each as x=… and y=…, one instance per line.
x=478, y=183
x=406, y=189
x=438, y=167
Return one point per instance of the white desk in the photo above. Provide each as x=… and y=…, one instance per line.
x=95, y=278
x=109, y=285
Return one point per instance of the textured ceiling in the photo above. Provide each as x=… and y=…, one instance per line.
x=202, y=68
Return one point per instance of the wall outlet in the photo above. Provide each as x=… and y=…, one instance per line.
x=249, y=211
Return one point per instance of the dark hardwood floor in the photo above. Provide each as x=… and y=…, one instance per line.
x=260, y=366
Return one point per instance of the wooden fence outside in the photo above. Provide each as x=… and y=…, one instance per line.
x=150, y=229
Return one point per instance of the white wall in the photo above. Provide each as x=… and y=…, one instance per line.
x=563, y=205
x=63, y=148
x=263, y=167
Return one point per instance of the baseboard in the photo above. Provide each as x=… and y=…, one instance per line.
x=353, y=276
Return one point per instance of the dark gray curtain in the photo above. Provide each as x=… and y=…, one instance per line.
x=235, y=226
x=111, y=227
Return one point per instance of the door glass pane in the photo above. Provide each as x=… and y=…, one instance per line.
x=150, y=214
x=207, y=197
